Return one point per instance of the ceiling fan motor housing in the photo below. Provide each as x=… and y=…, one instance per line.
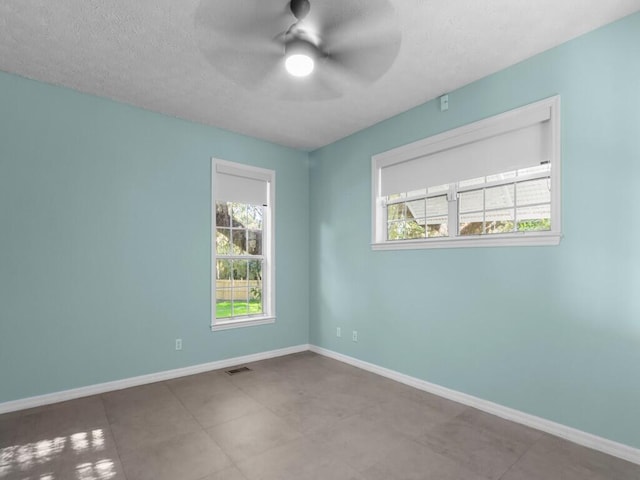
x=300, y=8
x=300, y=46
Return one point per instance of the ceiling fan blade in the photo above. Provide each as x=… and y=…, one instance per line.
x=354, y=20
x=246, y=67
x=361, y=38
x=315, y=87
x=242, y=21
x=366, y=62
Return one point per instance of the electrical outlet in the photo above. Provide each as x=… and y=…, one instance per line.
x=355, y=336
x=178, y=344
x=338, y=332
x=444, y=103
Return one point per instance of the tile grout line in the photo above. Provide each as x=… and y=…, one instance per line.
x=520, y=457
x=203, y=429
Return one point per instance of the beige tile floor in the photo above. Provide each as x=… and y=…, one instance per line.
x=297, y=417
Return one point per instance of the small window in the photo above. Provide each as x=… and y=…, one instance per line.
x=495, y=182
x=242, y=249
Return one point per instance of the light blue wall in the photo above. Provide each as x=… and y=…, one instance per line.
x=553, y=331
x=105, y=238
x=104, y=248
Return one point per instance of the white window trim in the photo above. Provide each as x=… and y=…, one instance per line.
x=241, y=322
x=268, y=245
x=490, y=126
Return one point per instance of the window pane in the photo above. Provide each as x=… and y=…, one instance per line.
x=239, y=241
x=437, y=227
x=255, y=286
x=471, y=201
x=223, y=302
x=414, y=229
x=254, y=217
x=254, y=243
x=534, y=191
x=499, y=221
x=255, y=298
x=223, y=294
x=255, y=270
x=223, y=270
x=239, y=271
x=437, y=206
x=223, y=217
x=396, y=211
x=395, y=230
x=403, y=230
x=239, y=215
x=534, y=218
x=240, y=294
x=223, y=245
x=499, y=197
x=416, y=209
x=471, y=224
x=240, y=300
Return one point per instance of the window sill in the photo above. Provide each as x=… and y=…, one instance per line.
x=243, y=322
x=506, y=240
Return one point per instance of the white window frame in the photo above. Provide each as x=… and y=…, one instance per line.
x=268, y=246
x=482, y=129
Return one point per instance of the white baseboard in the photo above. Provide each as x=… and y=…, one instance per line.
x=574, y=435
x=64, y=395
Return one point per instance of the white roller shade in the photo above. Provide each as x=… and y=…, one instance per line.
x=488, y=151
x=235, y=185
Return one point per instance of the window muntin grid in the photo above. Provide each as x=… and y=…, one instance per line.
x=423, y=217
x=240, y=260
x=509, y=202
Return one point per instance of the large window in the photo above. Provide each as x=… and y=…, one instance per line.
x=242, y=247
x=491, y=183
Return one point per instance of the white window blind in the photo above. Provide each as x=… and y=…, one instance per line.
x=239, y=185
x=504, y=146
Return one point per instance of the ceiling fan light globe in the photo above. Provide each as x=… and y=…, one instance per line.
x=300, y=56
x=299, y=64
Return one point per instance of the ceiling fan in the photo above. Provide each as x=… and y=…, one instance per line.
x=299, y=50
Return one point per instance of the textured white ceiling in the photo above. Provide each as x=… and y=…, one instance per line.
x=147, y=53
